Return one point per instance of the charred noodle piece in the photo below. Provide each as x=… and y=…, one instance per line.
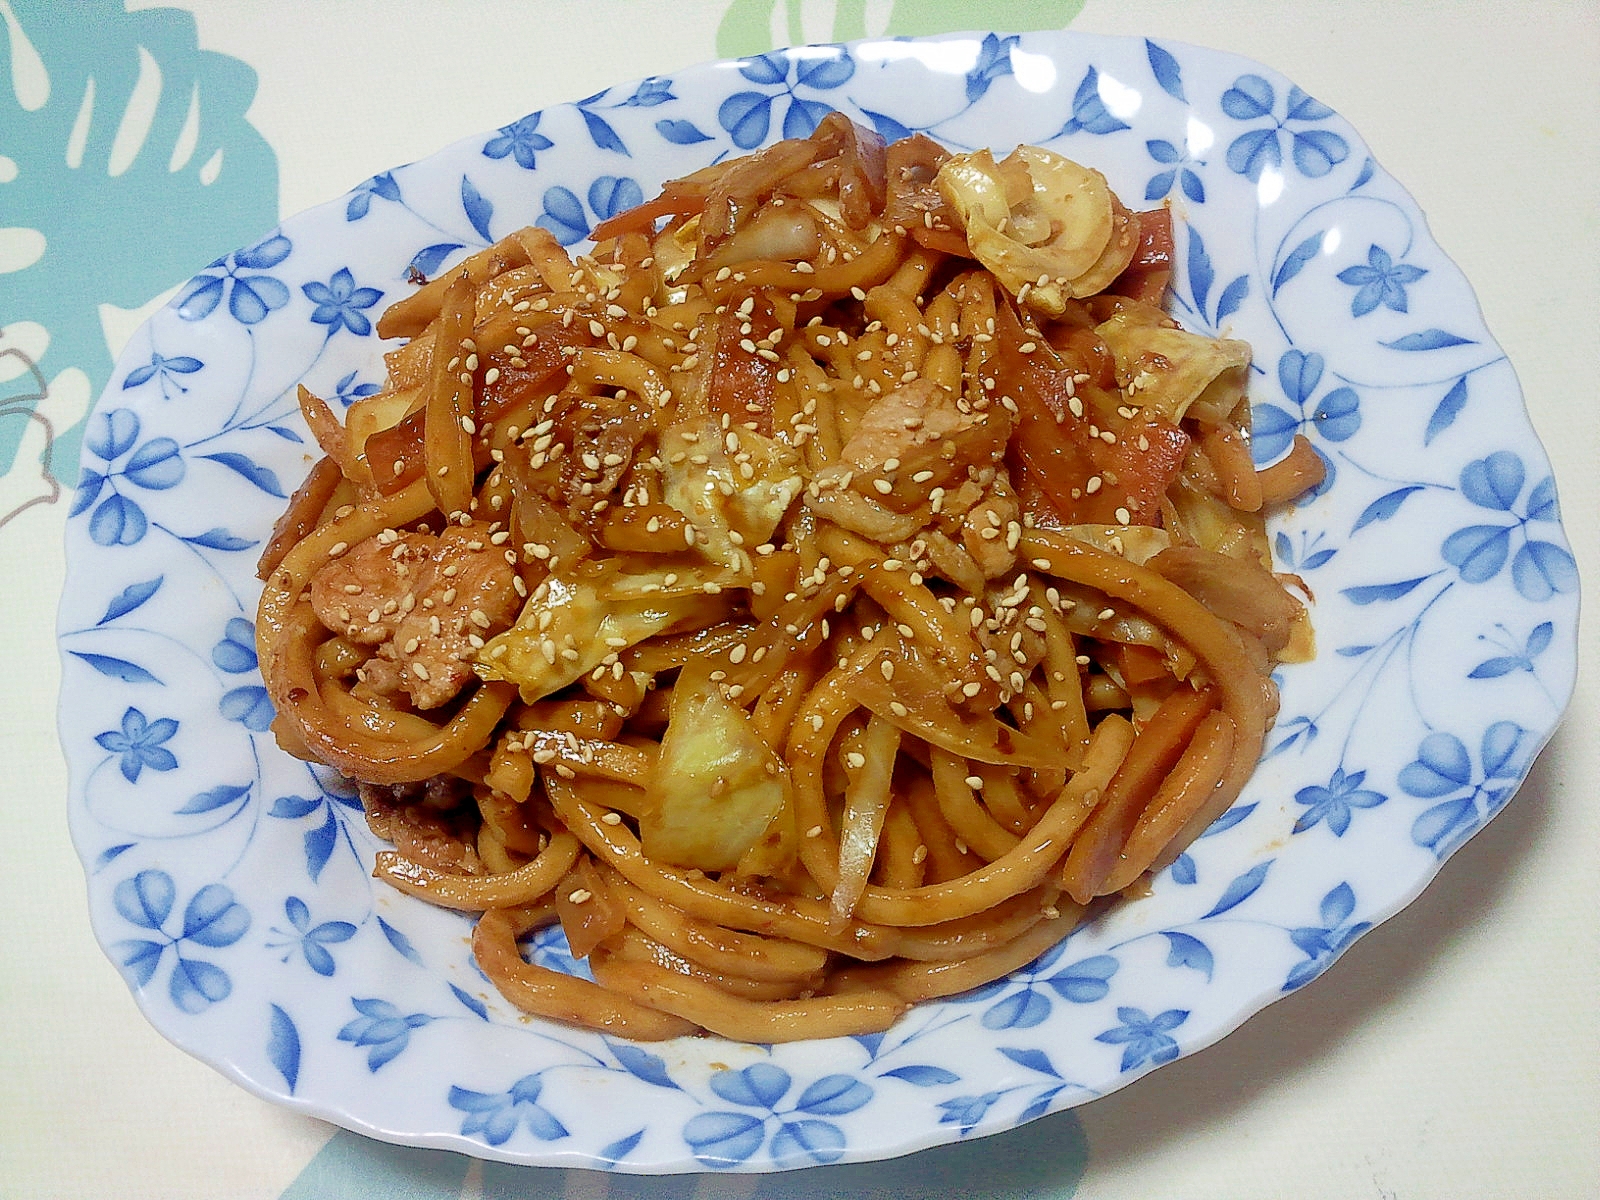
x=633, y=945
x=832, y=281
x=966, y=815
x=1020, y=869
x=410, y=315
x=794, y=918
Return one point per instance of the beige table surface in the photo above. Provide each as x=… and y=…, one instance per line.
x=1454, y=1052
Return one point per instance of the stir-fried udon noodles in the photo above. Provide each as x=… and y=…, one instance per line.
x=814, y=597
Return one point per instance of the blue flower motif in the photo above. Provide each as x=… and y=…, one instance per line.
x=251, y=296
x=1539, y=569
x=967, y=1111
x=495, y=1115
x=212, y=918
x=139, y=743
x=1145, y=1039
x=1089, y=111
x=1028, y=1005
x=608, y=195
x=249, y=705
x=1520, y=657
x=724, y=1139
x=155, y=465
x=1334, y=802
x=1178, y=171
x=994, y=62
x=163, y=370
x=521, y=140
x=236, y=652
x=1334, y=418
x=651, y=91
x=1443, y=768
x=747, y=116
x=1321, y=944
x=360, y=202
x=339, y=303
x=311, y=940
x=1315, y=151
x=381, y=1029
x=1382, y=281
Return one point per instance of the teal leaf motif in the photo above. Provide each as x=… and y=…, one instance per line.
x=923, y=1076
x=1376, y=592
x=217, y=797
x=642, y=1065
x=138, y=125
x=1034, y=1060
x=471, y=1001
x=1385, y=506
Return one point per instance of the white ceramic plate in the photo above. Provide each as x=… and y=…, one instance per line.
x=230, y=883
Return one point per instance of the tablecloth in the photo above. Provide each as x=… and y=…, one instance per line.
x=1454, y=1052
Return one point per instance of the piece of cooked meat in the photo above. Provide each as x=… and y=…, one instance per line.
x=426, y=601
x=920, y=437
x=428, y=822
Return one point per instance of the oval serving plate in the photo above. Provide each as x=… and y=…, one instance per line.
x=230, y=883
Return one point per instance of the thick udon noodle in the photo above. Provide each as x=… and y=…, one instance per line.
x=813, y=599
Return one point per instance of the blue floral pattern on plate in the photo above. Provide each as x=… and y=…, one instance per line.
x=231, y=883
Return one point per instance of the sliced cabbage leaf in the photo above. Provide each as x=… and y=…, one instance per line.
x=720, y=795
x=1136, y=543
x=733, y=487
x=569, y=626
x=1049, y=228
x=674, y=251
x=1169, y=370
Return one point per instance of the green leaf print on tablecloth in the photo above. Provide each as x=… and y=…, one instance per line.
x=755, y=26
x=126, y=163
